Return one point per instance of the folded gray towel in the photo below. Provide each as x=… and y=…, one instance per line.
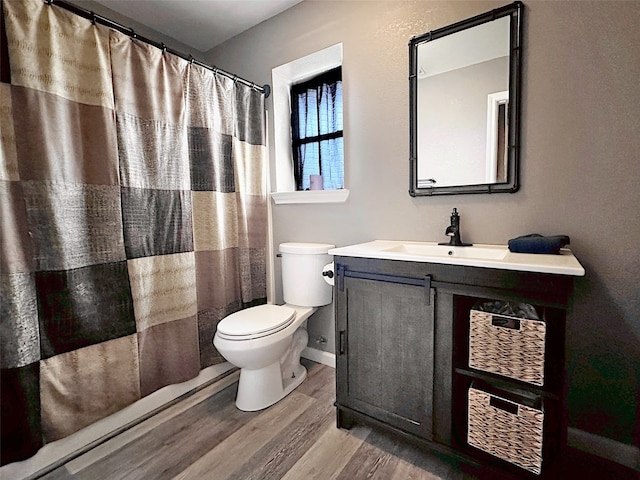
x=536, y=243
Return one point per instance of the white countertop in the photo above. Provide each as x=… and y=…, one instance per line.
x=479, y=255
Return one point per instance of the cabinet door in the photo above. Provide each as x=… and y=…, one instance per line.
x=385, y=351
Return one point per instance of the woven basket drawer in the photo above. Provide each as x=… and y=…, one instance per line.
x=508, y=346
x=505, y=429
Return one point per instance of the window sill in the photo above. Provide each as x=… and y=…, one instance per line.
x=311, y=196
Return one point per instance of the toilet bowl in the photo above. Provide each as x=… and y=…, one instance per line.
x=266, y=341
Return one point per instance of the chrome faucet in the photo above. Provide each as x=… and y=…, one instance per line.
x=453, y=231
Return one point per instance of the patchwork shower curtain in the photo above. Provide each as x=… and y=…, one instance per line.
x=133, y=203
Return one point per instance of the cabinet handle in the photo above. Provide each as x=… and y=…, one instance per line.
x=427, y=288
x=341, y=342
x=340, y=272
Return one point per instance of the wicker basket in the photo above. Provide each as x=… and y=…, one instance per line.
x=514, y=437
x=508, y=346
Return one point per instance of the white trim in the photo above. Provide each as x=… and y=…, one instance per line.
x=494, y=100
x=618, y=452
x=320, y=356
x=270, y=248
x=282, y=79
x=311, y=196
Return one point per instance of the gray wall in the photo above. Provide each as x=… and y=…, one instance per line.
x=580, y=163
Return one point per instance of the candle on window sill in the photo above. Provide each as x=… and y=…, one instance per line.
x=316, y=182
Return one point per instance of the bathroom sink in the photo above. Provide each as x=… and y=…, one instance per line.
x=434, y=250
x=478, y=255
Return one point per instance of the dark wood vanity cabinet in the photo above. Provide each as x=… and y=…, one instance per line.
x=402, y=354
x=385, y=350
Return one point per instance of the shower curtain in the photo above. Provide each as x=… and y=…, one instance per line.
x=133, y=203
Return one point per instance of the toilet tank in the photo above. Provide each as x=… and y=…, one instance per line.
x=302, y=280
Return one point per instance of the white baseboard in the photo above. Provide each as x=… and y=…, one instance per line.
x=320, y=356
x=627, y=455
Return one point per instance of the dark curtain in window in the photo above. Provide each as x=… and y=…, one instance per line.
x=317, y=130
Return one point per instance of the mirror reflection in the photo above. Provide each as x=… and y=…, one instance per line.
x=464, y=85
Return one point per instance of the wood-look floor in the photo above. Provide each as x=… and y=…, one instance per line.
x=204, y=436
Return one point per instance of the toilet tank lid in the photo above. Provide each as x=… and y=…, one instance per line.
x=305, y=248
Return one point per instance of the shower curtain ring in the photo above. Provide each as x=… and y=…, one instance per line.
x=134, y=35
x=164, y=48
x=93, y=18
x=48, y=2
x=191, y=59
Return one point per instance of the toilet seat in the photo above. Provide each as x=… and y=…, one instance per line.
x=255, y=322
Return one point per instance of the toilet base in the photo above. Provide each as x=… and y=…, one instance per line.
x=259, y=389
x=262, y=387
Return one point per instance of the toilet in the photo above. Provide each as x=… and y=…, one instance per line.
x=266, y=341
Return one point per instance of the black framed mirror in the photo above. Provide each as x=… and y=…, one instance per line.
x=464, y=95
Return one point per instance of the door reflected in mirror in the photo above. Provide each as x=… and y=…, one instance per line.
x=464, y=82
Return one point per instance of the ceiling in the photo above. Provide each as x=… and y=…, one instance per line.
x=200, y=24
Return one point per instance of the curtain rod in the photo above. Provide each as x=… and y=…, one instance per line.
x=96, y=18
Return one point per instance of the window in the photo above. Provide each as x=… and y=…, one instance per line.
x=317, y=132
x=284, y=78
